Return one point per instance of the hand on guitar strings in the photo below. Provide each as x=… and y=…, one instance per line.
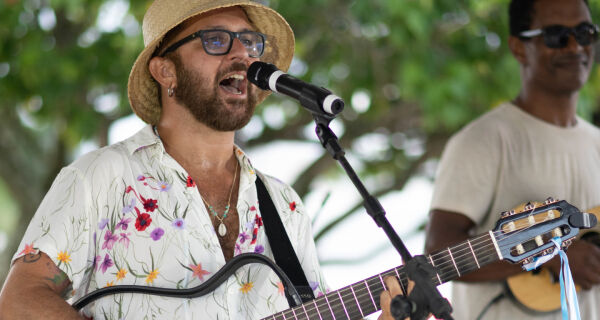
x=394, y=305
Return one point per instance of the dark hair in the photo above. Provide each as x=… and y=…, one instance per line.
x=520, y=15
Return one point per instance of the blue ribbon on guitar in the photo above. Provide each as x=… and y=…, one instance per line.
x=568, y=293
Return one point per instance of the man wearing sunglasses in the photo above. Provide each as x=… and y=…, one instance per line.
x=171, y=205
x=528, y=149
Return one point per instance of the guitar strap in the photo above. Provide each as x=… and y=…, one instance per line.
x=284, y=253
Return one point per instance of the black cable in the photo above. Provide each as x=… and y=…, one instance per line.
x=210, y=285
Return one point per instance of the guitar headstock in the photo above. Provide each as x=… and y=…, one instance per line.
x=526, y=232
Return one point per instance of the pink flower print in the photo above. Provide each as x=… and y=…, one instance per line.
x=123, y=224
x=107, y=263
x=243, y=237
x=259, y=249
x=109, y=240
x=157, y=233
x=102, y=224
x=313, y=285
x=125, y=239
x=178, y=224
x=253, y=208
x=293, y=205
x=198, y=271
x=28, y=249
x=141, y=178
x=237, y=249
x=129, y=208
x=163, y=186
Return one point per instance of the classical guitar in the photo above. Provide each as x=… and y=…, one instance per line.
x=517, y=237
x=539, y=290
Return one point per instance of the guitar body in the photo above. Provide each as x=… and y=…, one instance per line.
x=538, y=290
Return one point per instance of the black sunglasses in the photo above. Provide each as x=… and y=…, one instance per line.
x=218, y=42
x=557, y=36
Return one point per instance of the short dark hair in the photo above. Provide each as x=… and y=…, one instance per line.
x=520, y=15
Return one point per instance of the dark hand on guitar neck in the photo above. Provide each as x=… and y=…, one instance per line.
x=584, y=260
x=447, y=228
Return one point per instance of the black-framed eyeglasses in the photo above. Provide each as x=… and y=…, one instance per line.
x=218, y=42
x=557, y=36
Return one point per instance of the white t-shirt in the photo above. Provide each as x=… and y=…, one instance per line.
x=505, y=158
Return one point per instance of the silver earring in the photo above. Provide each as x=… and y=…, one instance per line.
x=170, y=92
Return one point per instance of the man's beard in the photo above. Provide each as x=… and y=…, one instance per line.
x=204, y=104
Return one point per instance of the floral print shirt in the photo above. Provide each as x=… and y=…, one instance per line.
x=130, y=214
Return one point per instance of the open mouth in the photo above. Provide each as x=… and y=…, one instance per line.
x=233, y=84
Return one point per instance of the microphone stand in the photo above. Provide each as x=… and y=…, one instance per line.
x=425, y=296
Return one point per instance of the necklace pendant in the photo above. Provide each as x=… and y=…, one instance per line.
x=222, y=229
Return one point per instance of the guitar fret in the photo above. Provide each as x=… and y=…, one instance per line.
x=370, y=295
x=294, y=312
x=317, y=309
x=343, y=305
x=329, y=306
x=305, y=313
x=401, y=281
x=436, y=273
x=357, y=302
x=382, y=282
x=454, y=262
x=473, y=252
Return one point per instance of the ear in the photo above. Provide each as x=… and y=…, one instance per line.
x=163, y=71
x=517, y=48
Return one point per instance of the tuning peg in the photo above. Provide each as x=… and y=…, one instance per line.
x=505, y=214
x=550, y=200
x=529, y=206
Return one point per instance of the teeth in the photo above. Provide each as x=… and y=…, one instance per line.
x=237, y=76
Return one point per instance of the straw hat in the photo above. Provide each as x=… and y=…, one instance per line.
x=164, y=15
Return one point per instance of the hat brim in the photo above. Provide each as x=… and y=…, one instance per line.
x=142, y=89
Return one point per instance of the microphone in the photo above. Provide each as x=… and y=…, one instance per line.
x=319, y=101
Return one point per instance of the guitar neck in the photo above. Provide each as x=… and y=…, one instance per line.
x=362, y=298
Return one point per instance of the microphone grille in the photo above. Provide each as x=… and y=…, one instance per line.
x=259, y=74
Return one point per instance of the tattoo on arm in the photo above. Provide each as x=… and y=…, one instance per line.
x=32, y=257
x=60, y=281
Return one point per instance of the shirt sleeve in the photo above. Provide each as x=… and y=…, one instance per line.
x=467, y=173
x=61, y=227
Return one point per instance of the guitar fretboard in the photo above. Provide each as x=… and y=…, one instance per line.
x=362, y=298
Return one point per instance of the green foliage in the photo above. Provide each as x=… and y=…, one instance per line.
x=428, y=68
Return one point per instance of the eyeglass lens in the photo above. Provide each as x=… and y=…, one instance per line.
x=558, y=36
x=219, y=42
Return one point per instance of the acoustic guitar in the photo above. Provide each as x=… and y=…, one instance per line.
x=538, y=290
x=517, y=238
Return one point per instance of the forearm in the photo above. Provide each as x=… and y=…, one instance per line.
x=35, y=289
x=39, y=304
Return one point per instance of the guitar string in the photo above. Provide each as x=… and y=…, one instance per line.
x=339, y=295
x=361, y=294
x=499, y=235
x=364, y=292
